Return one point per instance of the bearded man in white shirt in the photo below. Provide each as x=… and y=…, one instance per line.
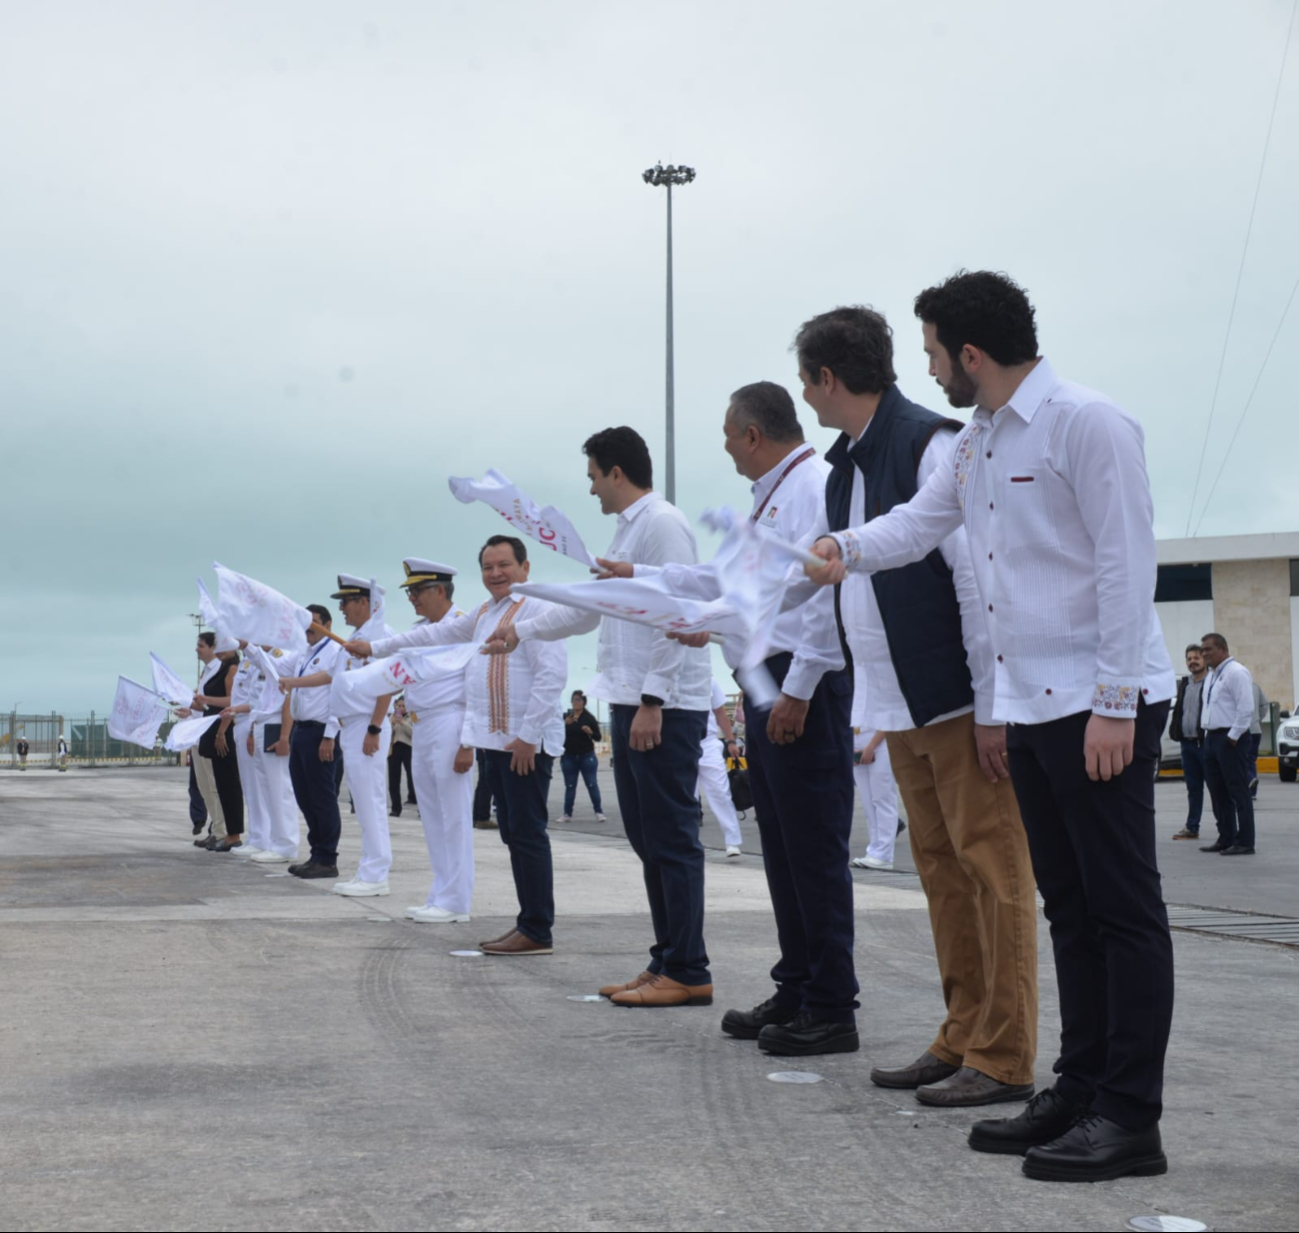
x=512, y=714
x=1049, y=480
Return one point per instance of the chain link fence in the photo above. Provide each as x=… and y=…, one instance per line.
x=87, y=740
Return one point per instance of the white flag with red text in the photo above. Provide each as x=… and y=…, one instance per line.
x=137, y=713
x=354, y=692
x=548, y=526
x=257, y=614
x=168, y=684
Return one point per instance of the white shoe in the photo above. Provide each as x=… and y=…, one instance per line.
x=348, y=882
x=269, y=858
x=601, y=818
x=414, y=909
x=358, y=889
x=733, y=851
x=438, y=916
x=566, y=818
x=869, y=862
x=249, y=852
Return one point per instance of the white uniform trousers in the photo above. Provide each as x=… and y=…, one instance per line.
x=255, y=828
x=278, y=801
x=445, y=807
x=206, y=780
x=367, y=779
x=716, y=789
x=879, y=798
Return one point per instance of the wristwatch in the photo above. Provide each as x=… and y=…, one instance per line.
x=374, y=731
x=650, y=700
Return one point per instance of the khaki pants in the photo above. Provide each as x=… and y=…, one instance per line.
x=206, y=781
x=972, y=856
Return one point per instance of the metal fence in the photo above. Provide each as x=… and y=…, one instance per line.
x=87, y=739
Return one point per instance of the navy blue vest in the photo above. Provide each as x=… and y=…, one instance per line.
x=922, y=617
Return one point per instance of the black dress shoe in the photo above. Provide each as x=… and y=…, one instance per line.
x=746, y=1024
x=925, y=1069
x=969, y=1087
x=198, y=827
x=1095, y=1149
x=1217, y=846
x=211, y=842
x=804, y=1036
x=224, y=845
x=312, y=870
x=1046, y=1117
x=1237, y=850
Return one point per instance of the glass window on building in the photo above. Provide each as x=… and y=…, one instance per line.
x=1178, y=583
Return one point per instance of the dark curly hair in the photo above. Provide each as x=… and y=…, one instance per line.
x=986, y=310
x=854, y=343
x=621, y=447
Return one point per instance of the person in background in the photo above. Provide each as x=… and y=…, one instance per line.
x=581, y=731
x=23, y=749
x=1184, y=727
x=1261, y=710
x=875, y=783
x=713, y=784
x=1226, y=714
x=484, y=800
x=400, y=756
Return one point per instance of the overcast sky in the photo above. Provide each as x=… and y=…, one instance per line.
x=272, y=271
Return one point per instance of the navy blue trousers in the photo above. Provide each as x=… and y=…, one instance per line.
x=1227, y=772
x=1093, y=849
x=656, y=796
x=315, y=787
x=522, y=815
x=197, y=806
x=1193, y=774
x=803, y=797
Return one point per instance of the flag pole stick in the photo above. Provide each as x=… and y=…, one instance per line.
x=317, y=627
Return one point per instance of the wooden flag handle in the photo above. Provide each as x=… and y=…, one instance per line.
x=320, y=629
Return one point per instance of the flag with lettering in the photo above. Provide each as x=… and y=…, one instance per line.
x=548, y=526
x=355, y=692
x=207, y=609
x=257, y=614
x=168, y=684
x=137, y=713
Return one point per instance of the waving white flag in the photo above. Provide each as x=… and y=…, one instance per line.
x=643, y=601
x=252, y=611
x=185, y=733
x=270, y=701
x=547, y=526
x=137, y=713
x=352, y=693
x=168, y=684
x=207, y=609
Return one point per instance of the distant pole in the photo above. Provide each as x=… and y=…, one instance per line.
x=665, y=177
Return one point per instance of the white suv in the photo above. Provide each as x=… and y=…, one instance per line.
x=1287, y=748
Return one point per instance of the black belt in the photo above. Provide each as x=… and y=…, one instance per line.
x=1215, y=731
x=308, y=723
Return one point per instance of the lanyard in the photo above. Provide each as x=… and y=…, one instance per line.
x=803, y=457
x=1208, y=688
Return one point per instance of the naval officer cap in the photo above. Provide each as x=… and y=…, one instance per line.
x=352, y=587
x=419, y=571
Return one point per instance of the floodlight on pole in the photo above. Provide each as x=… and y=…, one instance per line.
x=659, y=176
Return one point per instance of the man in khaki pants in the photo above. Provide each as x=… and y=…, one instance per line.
x=203, y=776
x=919, y=640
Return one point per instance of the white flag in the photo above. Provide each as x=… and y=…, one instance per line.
x=252, y=611
x=643, y=601
x=547, y=526
x=137, y=713
x=355, y=692
x=185, y=733
x=207, y=609
x=375, y=626
x=270, y=701
x=168, y=684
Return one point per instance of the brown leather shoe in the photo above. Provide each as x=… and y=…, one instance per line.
x=509, y=933
x=971, y=1087
x=607, y=991
x=486, y=824
x=662, y=990
x=517, y=943
x=925, y=1069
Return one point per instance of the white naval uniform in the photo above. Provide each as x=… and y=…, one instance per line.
x=274, y=783
x=713, y=782
x=437, y=711
x=247, y=688
x=367, y=777
x=879, y=791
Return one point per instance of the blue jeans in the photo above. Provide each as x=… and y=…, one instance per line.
x=656, y=796
x=522, y=817
x=1193, y=774
x=588, y=765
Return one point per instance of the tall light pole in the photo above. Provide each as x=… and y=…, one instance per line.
x=660, y=176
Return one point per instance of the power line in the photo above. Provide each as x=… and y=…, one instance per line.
x=1240, y=273
x=1285, y=313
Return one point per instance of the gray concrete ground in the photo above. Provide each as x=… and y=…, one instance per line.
x=192, y=1042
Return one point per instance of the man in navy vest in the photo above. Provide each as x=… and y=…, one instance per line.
x=918, y=637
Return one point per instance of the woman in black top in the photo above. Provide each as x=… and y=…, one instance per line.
x=217, y=746
x=581, y=731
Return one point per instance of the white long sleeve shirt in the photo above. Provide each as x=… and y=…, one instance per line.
x=1053, y=492
x=506, y=696
x=312, y=705
x=632, y=659
x=1228, y=699
x=885, y=708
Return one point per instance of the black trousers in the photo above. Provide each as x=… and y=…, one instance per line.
x=230, y=792
x=522, y=814
x=315, y=788
x=1093, y=849
x=803, y=797
x=482, y=810
x=197, y=807
x=1228, y=769
x=399, y=755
